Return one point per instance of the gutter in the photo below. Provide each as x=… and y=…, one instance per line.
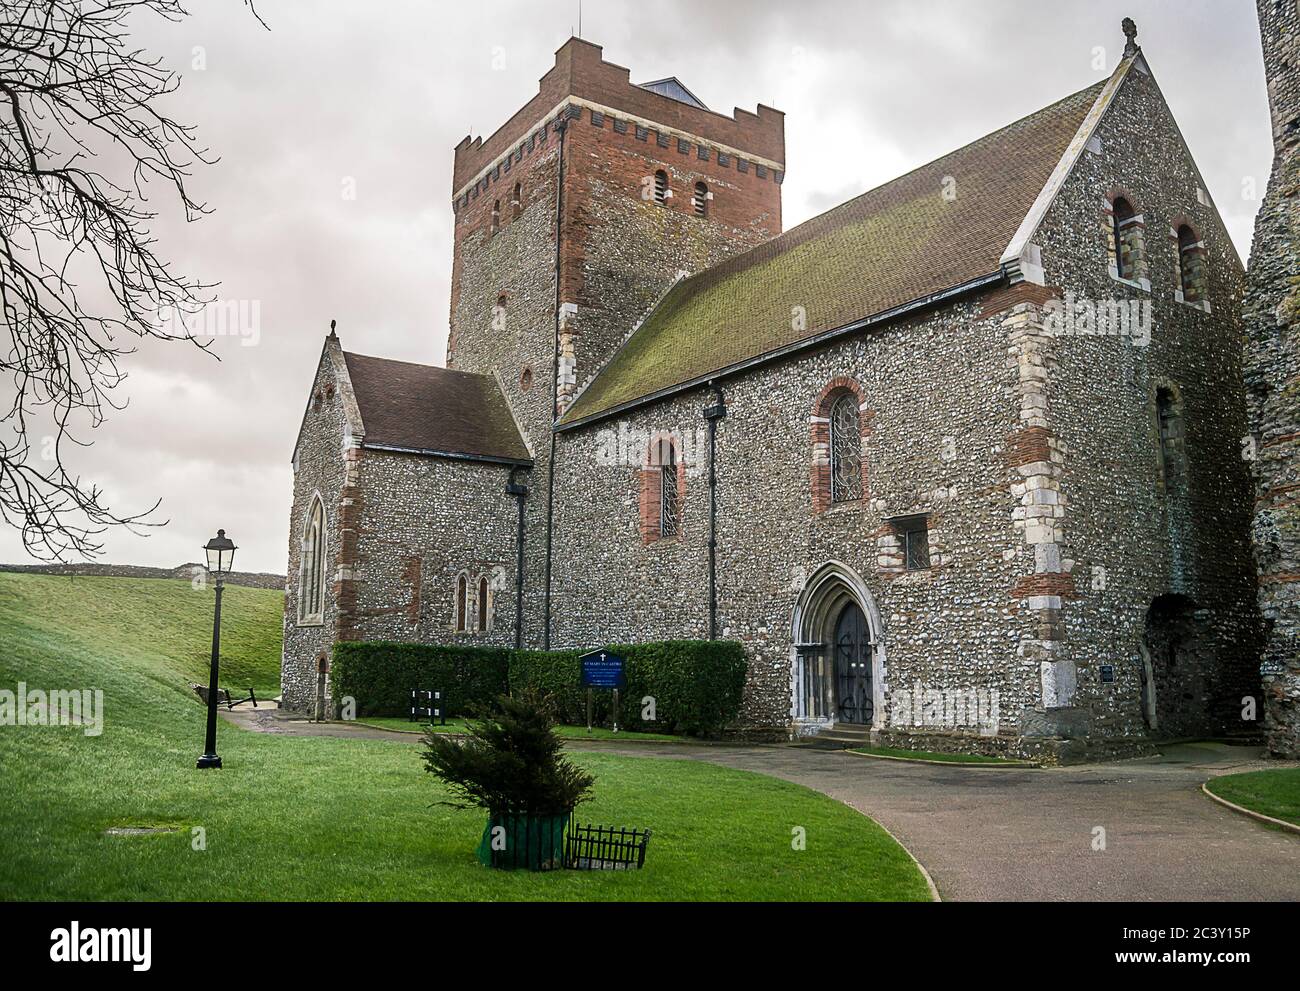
x=785, y=351
x=520, y=493
x=453, y=455
x=561, y=125
x=713, y=414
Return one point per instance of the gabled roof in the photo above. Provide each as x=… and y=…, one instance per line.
x=674, y=89
x=938, y=228
x=428, y=410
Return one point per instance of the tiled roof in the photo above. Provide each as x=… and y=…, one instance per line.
x=433, y=410
x=894, y=245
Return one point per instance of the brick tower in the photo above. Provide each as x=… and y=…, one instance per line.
x=1272, y=317
x=575, y=217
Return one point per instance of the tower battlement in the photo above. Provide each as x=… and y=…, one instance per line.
x=649, y=184
x=581, y=77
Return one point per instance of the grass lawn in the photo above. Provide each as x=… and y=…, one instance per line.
x=1275, y=793
x=403, y=725
x=931, y=755
x=337, y=819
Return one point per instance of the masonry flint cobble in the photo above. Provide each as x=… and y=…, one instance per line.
x=1272, y=312
x=1084, y=496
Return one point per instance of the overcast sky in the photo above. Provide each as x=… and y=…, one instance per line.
x=374, y=94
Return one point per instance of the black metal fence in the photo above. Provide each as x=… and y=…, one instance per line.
x=604, y=848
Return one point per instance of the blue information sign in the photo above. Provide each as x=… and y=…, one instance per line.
x=601, y=669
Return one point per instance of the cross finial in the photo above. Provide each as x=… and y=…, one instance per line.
x=1131, y=33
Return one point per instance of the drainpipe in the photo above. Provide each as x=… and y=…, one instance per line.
x=713, y=414
x=561, y=125
x=520, y=492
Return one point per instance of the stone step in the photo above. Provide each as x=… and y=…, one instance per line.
x=838, y=738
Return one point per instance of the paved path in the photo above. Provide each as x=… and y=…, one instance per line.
x=1012, y=834
x=1005, y=835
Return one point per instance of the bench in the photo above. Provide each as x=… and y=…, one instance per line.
x=223, y=696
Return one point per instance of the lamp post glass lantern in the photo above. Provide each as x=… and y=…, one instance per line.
x=221, y=554
x=221, y=557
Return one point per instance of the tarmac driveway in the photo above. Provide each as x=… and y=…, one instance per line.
x=988, y=834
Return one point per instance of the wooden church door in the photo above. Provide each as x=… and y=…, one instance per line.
x=853, y=666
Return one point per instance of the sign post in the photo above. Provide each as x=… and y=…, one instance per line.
x=601, y=669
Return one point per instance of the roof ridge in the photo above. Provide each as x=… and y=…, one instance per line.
x=735, y=259
x=416, y=364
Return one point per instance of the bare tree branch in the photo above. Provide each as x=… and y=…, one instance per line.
x=74, y=91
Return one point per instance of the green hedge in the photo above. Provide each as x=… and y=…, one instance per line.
x=696, y=685
x=380, y=675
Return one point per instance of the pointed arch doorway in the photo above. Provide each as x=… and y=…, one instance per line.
x=838, y=656
x=852, y=664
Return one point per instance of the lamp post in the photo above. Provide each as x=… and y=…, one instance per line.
x=221, y=555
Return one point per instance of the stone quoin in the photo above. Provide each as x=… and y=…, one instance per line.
x=924, y=491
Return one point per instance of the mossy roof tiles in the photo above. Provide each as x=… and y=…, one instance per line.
x=896, y=244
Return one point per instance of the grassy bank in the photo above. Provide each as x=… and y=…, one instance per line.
x=324, y=818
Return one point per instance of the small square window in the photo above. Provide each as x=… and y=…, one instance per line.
x=597, y=119
x=683, y=146
x=642, y=134
x=913, y=535
x=661, y=139
x=724, y=160
x=760, y=171
x=620, y=127
x=742, y=165
x=703, y=153
x=918, y=550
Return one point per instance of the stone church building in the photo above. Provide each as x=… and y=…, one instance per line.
x=959, y=462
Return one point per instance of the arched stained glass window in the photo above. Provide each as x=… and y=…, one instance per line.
x=311, y=586
x=669, y=514
x=462, y=594
x=846, y=450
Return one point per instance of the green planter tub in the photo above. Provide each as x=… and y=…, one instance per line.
x=523, y=841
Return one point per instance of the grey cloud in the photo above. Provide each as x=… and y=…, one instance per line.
x=381, y=92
